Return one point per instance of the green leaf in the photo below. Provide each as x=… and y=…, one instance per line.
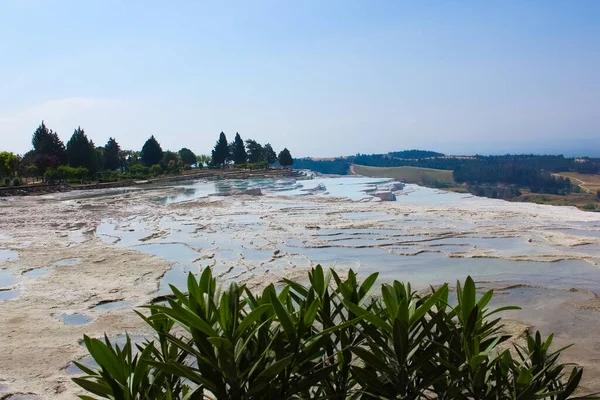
x=184, y=372
x=318, y=280
x=222, y=343
x=525, y=377
x=427, y=305
x=476, y=361
x=97, y=388
x=284, y=318
x=400, y=341
x=187, y=318
x=276, y=367
x=250, y=319
x=264, y=377
x=369, y=316
x=301, y=290
x=206, y=280
x=468, y=299
x=106, y=358
x=311, y=313
x=84, y=369
x=367, y=285
x=225, y=317
x=501, y=309
x=370, y=360
x=390, y=300
x=485, y=299
x=141, y=369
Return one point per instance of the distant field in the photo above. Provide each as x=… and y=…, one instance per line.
x=584, y=201
x=590, y=182
x=432, y=177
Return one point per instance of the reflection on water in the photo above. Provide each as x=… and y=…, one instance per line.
x=9, y=294
x=37, y=273
x=68, y=262
x=353, y=188
x=7, y=278
x=75, y=319
x=176, y=276
x=8, y=255
x=347, y=187
x=177, y=252
x=399, y=244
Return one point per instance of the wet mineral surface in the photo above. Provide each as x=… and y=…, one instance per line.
x=79, y=264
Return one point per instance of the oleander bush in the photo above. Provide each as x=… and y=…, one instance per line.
x=331, y=339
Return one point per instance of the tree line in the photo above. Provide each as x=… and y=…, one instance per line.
x=249, y=152
x=81, y=160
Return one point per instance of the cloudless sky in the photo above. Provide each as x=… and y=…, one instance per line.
x=323, y=78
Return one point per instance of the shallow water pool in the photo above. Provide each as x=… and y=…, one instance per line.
x=8, y=255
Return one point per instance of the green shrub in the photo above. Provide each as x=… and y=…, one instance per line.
x=138, y=170
x=589, y=207
x=256, y=165
x=156, y=170
x=328, y=340
x=16, y=182
x=6, y=181
x=51, y=175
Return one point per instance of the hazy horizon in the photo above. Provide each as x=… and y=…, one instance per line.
x=322, y=79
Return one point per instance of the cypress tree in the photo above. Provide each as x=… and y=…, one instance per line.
x=285, y=158
x=112, y=155
x=239, y=150
x=270, y=155
x=152, y=153
x=81, y=151
x=220, y=153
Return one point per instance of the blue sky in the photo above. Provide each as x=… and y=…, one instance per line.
x=323, y=78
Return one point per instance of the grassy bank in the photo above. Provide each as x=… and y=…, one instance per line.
x=584, y=201
x=438, y=178
x=588, y=182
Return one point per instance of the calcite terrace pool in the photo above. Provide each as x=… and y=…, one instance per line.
x=79, y=263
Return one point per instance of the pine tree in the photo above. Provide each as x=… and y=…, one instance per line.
x=285, y=158
x=239, y=150
x=270, y=155
x=81, y=151
x=112, y=155
x=220, y=153
x=152, y=153
x=47, y=143
x=255, y=151
x=40, y=138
